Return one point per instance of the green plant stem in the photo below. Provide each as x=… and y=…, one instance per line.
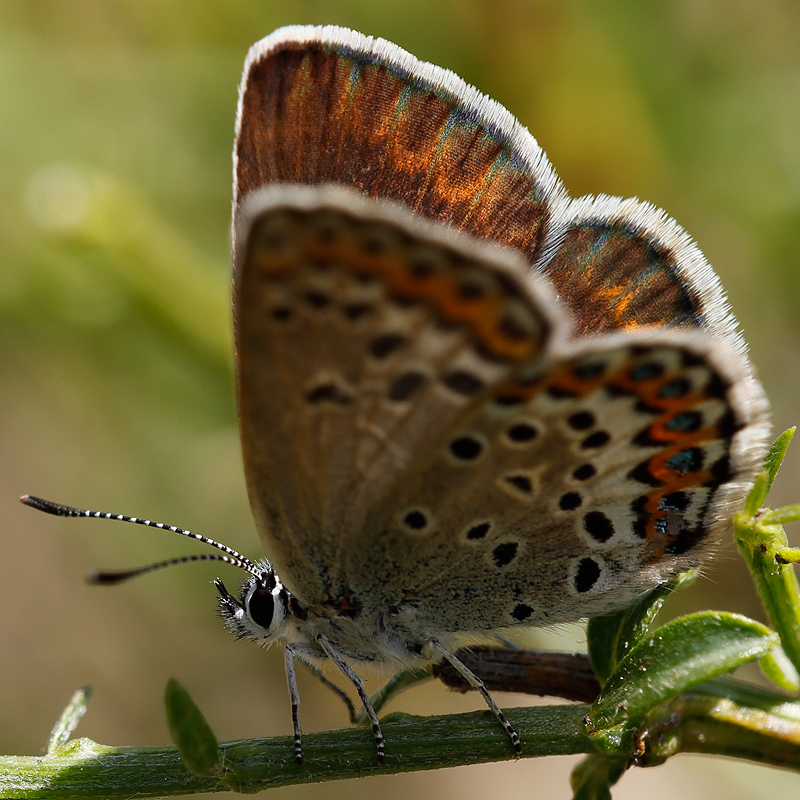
x=762, y=542
x=779, y=592
x=775, y=582
x=721, y=717
x=85, y=769
x=395, y=686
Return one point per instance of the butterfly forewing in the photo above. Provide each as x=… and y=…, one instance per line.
x=361, y=333
x=327, y=105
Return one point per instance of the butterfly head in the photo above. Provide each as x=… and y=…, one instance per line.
x=261, y=609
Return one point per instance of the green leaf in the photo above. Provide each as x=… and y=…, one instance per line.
x=593, y=777
x=755, y=497
x=69, y=719
x=781, y=516
x=677, y=656
x=778, y=668
x=763, y=483
x=191, y=732
x=776, y=454
x=610, y=637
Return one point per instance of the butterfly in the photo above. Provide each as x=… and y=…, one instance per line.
x=467, y=403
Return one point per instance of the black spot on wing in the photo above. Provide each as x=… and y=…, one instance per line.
x=505, y=553
x=405, y=385
x=521, y=612
x=598, y=526
x=587, y=575
x=462, y=382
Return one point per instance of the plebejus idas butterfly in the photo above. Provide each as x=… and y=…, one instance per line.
x=467, y=403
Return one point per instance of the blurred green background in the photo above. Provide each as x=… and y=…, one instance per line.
x=116, y=122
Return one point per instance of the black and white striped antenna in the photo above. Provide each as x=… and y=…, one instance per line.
x=109, y=577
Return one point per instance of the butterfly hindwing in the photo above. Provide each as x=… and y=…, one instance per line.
x=569, y=489
x=624, y=264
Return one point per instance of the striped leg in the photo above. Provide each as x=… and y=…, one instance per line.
x=351, y=709
x=359, y=684
x=477, y=683
x=291, y=678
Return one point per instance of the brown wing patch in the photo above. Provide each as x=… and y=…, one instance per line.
x=612, y=278
x=321, y=113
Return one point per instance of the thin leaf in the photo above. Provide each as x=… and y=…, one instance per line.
x=788, y=555
x=69, y=719
x=191, y=732
x=781, y=516
x=756, y=496
x=776, y=454
x=610, y=637
x=778, y=668
x=679, y=655
x=395, y=686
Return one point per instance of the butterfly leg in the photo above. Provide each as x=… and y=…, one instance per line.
x=359, y=684
x=291, y=678
x=478, y=684
x=351, y=709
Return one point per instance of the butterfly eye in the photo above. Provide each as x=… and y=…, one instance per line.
x=261, y=608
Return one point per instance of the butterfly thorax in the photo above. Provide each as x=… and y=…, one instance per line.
x=267, y=612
